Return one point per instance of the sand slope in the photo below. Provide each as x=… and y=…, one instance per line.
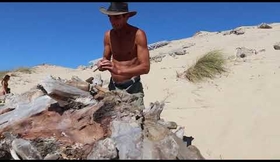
x=232, y=117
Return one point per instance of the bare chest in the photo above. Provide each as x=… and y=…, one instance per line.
x=123, y=46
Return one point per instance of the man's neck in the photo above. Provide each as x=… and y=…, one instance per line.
x=124, y=28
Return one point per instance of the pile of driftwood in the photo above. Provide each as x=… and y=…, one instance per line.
x=61, y=119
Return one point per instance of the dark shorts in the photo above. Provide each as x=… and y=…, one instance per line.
x=131, y=86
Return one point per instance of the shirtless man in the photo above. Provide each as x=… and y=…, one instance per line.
x=126, y=54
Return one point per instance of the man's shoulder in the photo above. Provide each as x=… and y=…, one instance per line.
x=140, y=33
x=107, y=33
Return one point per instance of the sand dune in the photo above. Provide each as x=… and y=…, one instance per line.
x=234, y=116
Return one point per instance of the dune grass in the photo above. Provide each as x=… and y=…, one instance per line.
x=25, y=70
x=208, y=66
x=2, y=74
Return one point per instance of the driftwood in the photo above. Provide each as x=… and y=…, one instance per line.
x=158, y=45
x=114, y=127
x=264, y=26
x=18, y=107
x=276, y=46
x=66, y=89
x=243, y=52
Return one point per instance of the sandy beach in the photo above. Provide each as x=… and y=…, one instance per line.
x=233, y=116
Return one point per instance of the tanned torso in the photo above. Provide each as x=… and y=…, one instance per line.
x=124, y=51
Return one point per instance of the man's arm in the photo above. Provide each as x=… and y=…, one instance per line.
x=107, y=51
x=142, y=55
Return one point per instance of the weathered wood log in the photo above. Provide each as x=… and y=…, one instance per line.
x=158, y=44
x=180, y=132
x=101, y=88
x=153, y=111
x=97, y=80
x=168, y=124
x=187, y=153
x=264, y=26
x=14, y=154
x=53, y=156
x=276, y=46
x=56, y=87
x=6, y=147
x=14, y=100
x=5, y=110
x=127, y=136
x=164, y=144
x=79, y=84
x=103, y=149
x=65, y=92
x=25, y=150
x=22, y=108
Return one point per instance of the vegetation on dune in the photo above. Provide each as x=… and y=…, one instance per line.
x=208, y=66
x=26, y=70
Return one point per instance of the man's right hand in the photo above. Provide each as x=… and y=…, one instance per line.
x=101, y=63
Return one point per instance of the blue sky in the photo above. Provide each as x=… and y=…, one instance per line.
x=71, y=34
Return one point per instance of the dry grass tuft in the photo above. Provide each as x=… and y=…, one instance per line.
x=208, y=66
x=25, y=70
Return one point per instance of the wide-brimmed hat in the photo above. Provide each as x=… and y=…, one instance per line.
x=117, y=8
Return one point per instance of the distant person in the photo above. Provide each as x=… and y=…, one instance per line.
x=4, y=83
x=126, y=54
